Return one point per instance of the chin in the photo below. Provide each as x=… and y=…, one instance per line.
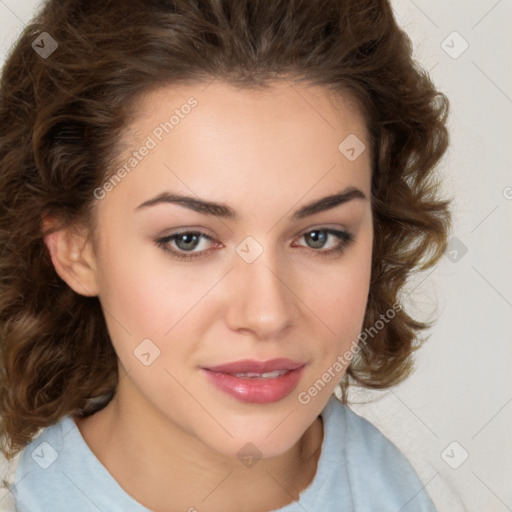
x=259, y=437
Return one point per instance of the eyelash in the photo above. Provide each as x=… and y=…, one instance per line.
x=345, y=238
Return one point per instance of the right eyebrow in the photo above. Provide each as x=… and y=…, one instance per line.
x=192, y=203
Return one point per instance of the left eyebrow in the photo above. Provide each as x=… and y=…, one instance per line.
x=222, y=210
x=328, y=202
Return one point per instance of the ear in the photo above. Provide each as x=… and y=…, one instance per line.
x=73, y=257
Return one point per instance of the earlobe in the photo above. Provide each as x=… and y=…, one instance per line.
x=73, y=259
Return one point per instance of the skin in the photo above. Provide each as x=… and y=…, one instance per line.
x=169, y=436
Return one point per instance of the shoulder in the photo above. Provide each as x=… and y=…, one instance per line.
x=58, y=468
x=38, y=467
x=18, y=472
x=43, y=451
x=366, y=439
x=377, y=471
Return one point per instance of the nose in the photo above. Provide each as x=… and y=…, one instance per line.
x=262, y=300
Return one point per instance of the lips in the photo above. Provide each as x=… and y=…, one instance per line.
x=255, y=381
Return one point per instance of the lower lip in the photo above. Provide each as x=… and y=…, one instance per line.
x=256, y=390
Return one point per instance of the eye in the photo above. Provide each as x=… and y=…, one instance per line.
x=327, y=241
x=179, y=244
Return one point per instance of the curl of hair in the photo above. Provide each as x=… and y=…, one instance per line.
x=64, y=116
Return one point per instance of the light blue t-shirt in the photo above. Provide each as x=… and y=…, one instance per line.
x=359, y=470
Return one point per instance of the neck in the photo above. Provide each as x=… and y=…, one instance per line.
x=156, y=462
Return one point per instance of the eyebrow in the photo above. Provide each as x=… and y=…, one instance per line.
x=223, y=211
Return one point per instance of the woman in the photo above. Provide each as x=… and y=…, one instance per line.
x=206, y=208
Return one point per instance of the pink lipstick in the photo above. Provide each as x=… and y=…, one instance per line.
x=256, y=381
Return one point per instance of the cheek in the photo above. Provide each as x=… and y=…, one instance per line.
x=145, y=296
x=341, y=299
x=143, y=290
x=343, y=295
x=132, y=296
x=343, y=311
x=147, y=319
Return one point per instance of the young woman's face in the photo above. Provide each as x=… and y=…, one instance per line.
x=267, y=256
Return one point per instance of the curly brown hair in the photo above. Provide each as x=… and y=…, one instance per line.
x=64, y=115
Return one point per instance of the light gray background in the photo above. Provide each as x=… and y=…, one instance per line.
x=461, y=391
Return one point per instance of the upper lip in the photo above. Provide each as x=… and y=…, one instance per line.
x=248, y=365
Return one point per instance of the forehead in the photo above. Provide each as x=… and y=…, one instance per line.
x=224, y=105
x=210, y=139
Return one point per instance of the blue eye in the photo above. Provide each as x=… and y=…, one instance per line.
x=188, y=245
x=319, y=238
x=185, y=242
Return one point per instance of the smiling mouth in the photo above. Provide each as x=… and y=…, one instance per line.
x=256, y=382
